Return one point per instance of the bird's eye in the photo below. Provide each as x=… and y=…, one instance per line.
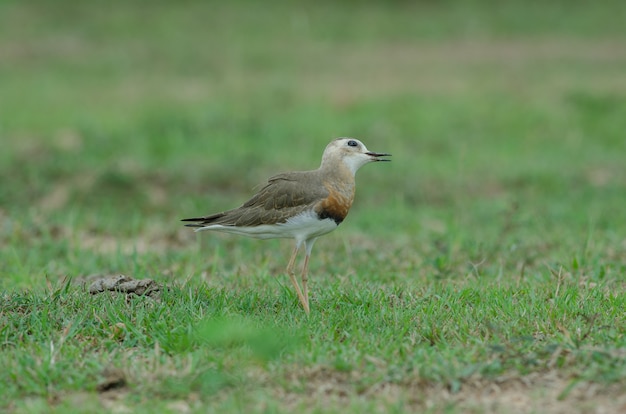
x=353, y=143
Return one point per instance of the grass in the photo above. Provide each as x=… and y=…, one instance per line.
x=481, y=271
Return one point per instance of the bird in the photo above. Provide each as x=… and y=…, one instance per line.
x=301, y=205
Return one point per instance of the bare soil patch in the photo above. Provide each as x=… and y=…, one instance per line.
x=534, y=393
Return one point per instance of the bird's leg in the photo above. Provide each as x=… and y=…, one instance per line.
x=292, y=276
x=305, y=279
x=308, y=246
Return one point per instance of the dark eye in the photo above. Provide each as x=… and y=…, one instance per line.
x=353, y=143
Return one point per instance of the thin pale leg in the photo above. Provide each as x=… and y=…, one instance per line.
x=305, y=279
x=292, y=276
x=308, y=246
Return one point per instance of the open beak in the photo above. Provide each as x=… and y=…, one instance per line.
x=376, y=156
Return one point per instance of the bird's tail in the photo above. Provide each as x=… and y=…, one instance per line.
x=203, y=221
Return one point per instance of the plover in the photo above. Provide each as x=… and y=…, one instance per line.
x=301, y=205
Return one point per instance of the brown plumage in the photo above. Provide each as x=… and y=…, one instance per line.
x=285, y=195
x=302, y=205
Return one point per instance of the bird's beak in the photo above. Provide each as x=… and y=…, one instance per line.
x=376, y=156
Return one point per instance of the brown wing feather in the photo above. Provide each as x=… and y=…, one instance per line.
x=285, y=195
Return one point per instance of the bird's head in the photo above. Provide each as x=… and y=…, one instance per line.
x=351, y=152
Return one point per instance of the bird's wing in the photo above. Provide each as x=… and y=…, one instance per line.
x=288, y=190
x=285, y=195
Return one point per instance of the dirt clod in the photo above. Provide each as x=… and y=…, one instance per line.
x=127, y=285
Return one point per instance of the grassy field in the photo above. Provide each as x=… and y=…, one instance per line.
x=483, y=270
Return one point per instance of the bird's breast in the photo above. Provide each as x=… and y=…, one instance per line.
x=337, y=204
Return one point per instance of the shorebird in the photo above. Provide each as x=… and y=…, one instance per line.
x=301, y=205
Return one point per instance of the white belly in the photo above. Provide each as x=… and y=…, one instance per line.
x=304, y=226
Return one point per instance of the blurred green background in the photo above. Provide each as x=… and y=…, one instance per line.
x=506, y=121
x=489, y=255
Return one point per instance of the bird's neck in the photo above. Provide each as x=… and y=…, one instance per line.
x=336, y=166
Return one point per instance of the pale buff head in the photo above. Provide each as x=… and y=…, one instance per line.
x=350, y=152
